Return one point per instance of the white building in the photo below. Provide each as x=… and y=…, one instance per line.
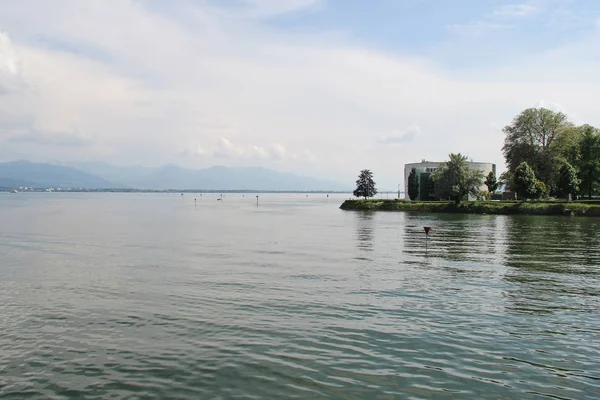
x=425, y=168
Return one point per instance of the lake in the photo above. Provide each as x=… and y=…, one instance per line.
x=139, y=296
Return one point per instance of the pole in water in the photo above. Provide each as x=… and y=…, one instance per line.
x=426, y=229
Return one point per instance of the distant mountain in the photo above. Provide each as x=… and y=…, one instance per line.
x=24, y=173
x=15, y=183
x=213, y=178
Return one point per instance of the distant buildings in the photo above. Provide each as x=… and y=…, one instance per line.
x=425, y=168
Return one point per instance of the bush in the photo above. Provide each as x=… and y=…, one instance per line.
x=541, y=190
x=483, y=195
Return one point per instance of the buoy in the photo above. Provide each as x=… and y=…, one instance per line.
x=426, y=229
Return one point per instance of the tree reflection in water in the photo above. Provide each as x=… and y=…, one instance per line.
x=364, y=233
x=546, y=258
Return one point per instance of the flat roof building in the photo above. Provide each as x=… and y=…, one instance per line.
x=425, y=168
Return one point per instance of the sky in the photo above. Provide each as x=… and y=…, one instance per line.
x=322, y=88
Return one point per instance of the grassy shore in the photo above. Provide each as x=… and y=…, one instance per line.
x=478, y=207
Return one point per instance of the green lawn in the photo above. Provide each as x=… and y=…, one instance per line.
x=478, y=207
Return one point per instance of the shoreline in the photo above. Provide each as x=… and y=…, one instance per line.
x=584, y=209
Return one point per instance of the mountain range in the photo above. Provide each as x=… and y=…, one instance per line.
x=98, y=175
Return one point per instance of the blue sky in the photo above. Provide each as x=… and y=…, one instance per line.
x=317, y=87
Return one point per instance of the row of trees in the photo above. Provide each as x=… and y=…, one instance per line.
x=546, y=154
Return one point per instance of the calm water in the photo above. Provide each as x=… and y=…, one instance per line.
x=148, y=296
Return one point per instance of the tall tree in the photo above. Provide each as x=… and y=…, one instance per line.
x=454, y=179
x=588, y=161
x=491, y=182
x=524, y=182
x=365, y=185
x=413, y=184
x=568, y=183
x=530, y=138
x=566, y=144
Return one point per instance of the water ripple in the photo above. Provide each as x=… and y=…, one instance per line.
x=295, y=299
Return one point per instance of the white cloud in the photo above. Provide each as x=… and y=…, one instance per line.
x=498, y=19
x=574, y=117
x=225, y=148
x=550, y=106
x=9, y=62
x=153, y=85
x=268, y=8
x=278, y=152
x=305, y=156
x=409, y=134
x=257, y=151
x=518, y=10
x=32, y=137
x=10, y=66
x=478, y=27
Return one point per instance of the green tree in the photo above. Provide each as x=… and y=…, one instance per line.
x=530, y=138
x=541, y=190
x=505, y=178
x=365, y=186
x=483, y=195
x=568, y=183
x=588, y=161
x=413, y=184
x=566, y=145
x=454, y=179
x=524, y=182
x=491, y=182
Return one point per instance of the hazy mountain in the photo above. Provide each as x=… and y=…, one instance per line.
x=15, y=183
x=24, y=173
x=214, y=178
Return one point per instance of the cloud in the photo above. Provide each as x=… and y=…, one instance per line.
x=225, y=148
x=10, y=66
x=518, y=10
x=49, y=139
x=257, y=151
x=272, y=153
x=407, y=135
x=573, y=116
x=550, y=106
x=253, y=92
x=305, y=156
x=9, y=61
x=266, y=8
x=478, y=27
x=278, y=152
x=497, y=19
